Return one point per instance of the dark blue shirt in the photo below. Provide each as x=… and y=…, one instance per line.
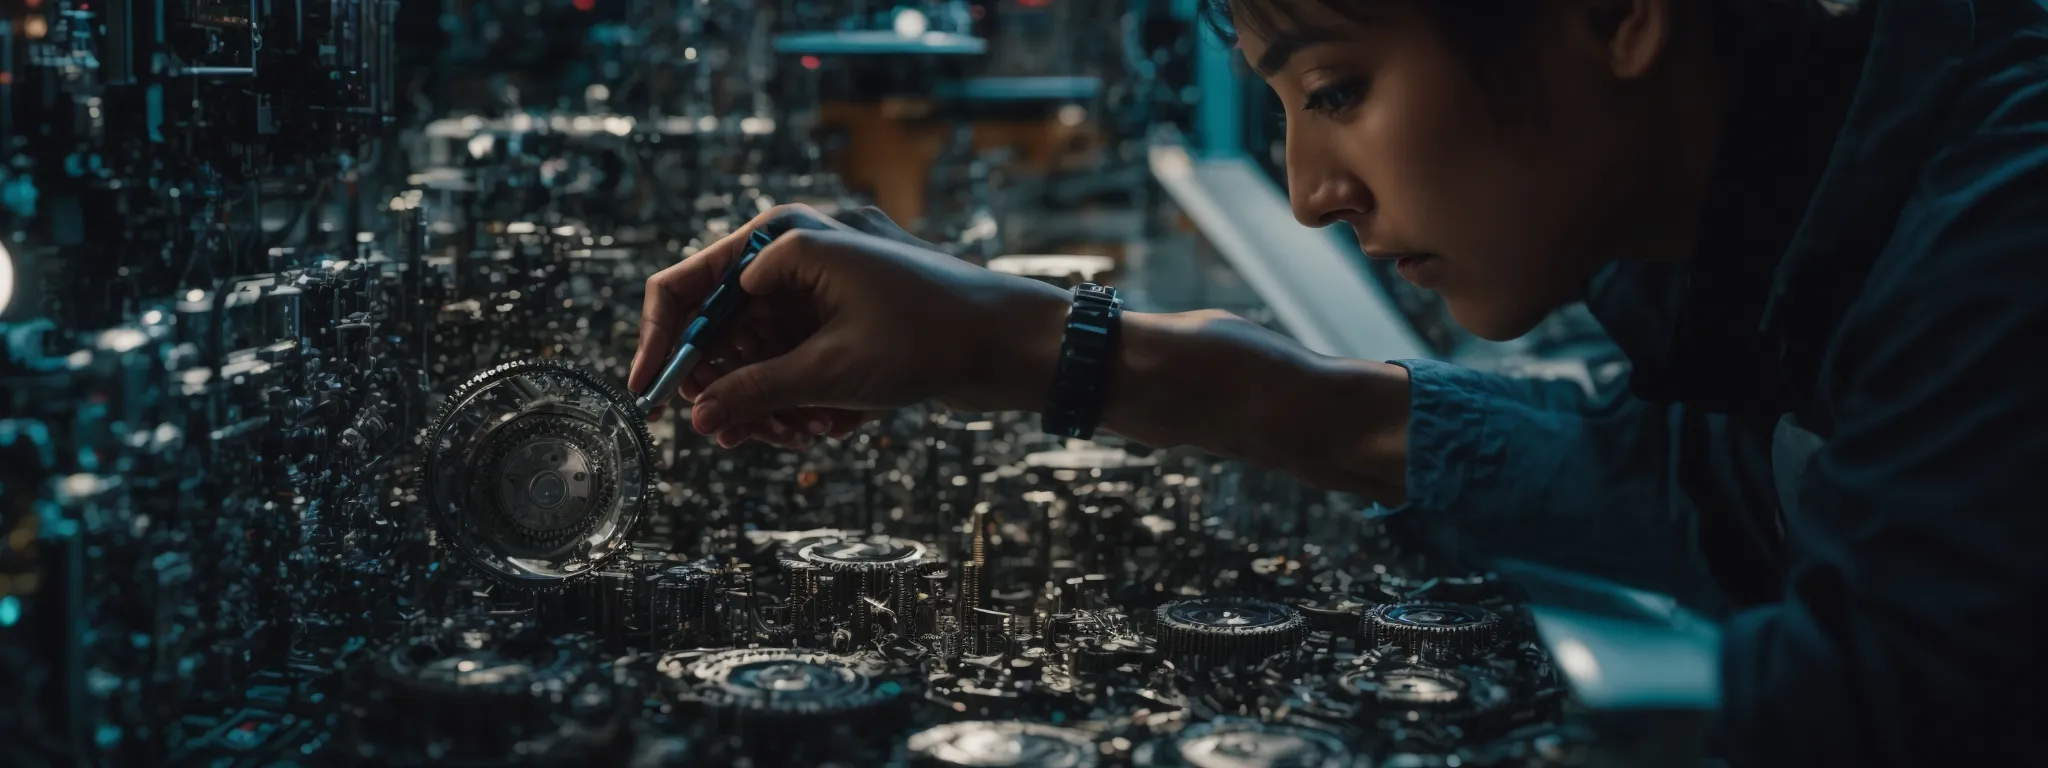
x=1836, y=429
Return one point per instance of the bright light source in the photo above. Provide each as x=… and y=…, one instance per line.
x=911, y=22
x=6, y=278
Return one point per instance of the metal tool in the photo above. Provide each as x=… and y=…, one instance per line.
x=713, y=317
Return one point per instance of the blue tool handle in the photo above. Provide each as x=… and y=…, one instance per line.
x=713, y=317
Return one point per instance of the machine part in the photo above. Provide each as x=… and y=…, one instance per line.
x=681, y=607
x=1240, y=743
x=985, y=744
x=1228, y=629
x=537, y=472
x=1393, y=691
x=770, y=686
x=860, y=556
x=1434, y=631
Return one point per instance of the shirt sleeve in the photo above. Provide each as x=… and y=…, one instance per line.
x=1611, y=486
x=1910, y=628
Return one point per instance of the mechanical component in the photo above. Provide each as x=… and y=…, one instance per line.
x=1228, y=628
x=1393, y=691
x=862, y=556
x=772, y=687
x=1239, y=743
x=984, y=744
x=1436, y=631
x=681, y=607
x=537, y=472
x=543, y=475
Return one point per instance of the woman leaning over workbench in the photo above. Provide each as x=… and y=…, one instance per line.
x=1819, y=232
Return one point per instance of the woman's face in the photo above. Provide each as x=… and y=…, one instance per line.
x=1504, y=202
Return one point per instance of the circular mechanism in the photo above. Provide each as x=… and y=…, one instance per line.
x=985, y=744
x=1445, y=694
x=539, y=476
x=1437, y=631
x=872, y=554
x=785, y=683
x=537, y=472
x=1237, y=743
x=1228, y=628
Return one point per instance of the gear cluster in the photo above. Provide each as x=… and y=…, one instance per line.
x=537, y=472
x=1401, y=692
x=1228, y=628
x=1002, y=744
x=1440, y=631
x=1242, y=743
x=543, y=475
x=776, y=684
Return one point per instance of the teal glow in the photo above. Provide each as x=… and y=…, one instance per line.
x=888, y=689
x=10, y=610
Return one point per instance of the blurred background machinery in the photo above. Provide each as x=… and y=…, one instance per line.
x=248, y=248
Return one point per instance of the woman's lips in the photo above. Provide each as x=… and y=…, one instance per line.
x=1417, y=268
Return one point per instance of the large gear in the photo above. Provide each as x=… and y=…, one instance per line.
x=777, y=685
x=542, y=474
x=500, y=465
x=1228, y=628
x=1001, y=744
x=1435, y=631
x=1398, y=692
x=865, y=555
x=1242, y=743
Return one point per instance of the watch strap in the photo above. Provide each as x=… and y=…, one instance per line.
x=1087, y=354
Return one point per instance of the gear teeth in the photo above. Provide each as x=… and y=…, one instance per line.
x=1442, y=632
x=504, y=440
x=612, y=394
x=1228, y=629
x=854, y=695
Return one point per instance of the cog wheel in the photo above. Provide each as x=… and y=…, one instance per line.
x=499, y=467
x=865, y=555
x=1228, y=628
x=1434, y=631
x=1392, y=691
x=781, y=684
x=1001, y=744
x=543, y=475
x=1243, y=743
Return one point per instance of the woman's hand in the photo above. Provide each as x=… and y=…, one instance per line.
x=846, y=320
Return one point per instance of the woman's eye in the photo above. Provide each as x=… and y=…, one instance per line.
x=1332, y=99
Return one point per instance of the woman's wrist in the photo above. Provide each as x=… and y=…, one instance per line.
x=1010, y=367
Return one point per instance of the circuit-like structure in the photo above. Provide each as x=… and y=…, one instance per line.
x=314, y=447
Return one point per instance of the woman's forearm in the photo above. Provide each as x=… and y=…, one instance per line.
x=1214, y=381
x=1228, y=386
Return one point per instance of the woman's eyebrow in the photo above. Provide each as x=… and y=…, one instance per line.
x=1288, y=43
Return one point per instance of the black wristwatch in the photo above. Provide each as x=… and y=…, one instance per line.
x=1087, y=353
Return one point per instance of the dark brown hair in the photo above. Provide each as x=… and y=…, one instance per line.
x=1484, y=32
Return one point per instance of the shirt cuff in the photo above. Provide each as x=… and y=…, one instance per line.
x=1452, y=455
